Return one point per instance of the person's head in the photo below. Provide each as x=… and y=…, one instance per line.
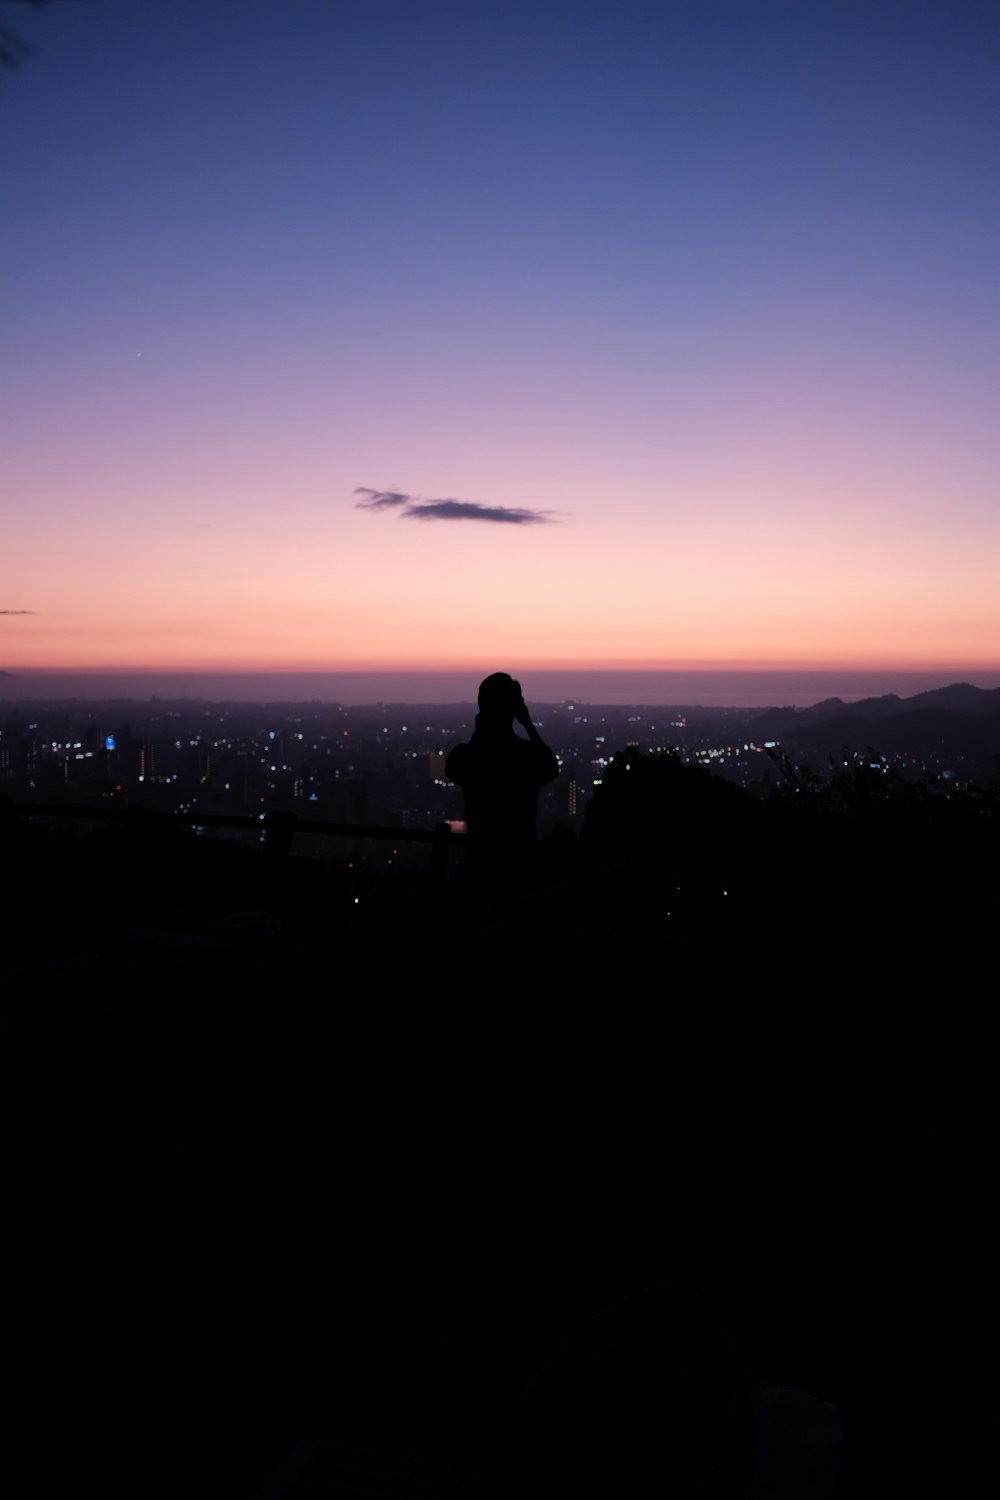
x=499, y=696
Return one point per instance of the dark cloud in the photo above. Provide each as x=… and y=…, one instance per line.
x=468, y=510
x=17, y=611
x=380, y=499
x=449, y=510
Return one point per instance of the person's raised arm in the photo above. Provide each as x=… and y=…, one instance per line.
x=523, y=717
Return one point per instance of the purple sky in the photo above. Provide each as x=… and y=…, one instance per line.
x=675, y=326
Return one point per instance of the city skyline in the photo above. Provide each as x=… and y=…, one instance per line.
x=542, y=688
x=446, y=338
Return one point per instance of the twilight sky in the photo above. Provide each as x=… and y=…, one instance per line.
x=354, y=333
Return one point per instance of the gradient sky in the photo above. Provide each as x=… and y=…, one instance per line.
x=691, y=307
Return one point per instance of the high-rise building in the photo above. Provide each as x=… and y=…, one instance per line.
x=435, y=765
x=140, y=760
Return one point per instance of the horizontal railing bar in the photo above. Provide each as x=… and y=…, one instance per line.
x=288, y=821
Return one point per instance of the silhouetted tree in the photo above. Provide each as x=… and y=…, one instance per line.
x=691, y=834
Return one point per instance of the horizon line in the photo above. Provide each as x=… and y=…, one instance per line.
x=727, y=665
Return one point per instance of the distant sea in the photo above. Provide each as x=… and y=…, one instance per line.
x=706, y=687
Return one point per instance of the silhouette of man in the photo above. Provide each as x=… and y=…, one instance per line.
x=500, y=774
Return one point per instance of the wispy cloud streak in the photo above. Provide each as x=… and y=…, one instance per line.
x=17, y=611
x=380, y=499
x=449, y=510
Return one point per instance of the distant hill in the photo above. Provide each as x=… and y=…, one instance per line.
x=959, y=723
x=959, y=698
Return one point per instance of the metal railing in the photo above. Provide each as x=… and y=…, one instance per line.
x=278, y=827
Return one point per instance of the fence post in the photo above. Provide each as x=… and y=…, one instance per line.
x=440, y=846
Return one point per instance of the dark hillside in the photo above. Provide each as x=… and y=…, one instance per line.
x=293, y=1154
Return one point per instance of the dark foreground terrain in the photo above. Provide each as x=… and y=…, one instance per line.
x=288, y=1157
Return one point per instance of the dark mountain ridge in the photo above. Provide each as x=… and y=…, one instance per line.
x=958, y=697
x=923, y=733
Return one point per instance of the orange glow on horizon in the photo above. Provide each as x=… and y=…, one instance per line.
x=501, y=661
x=685, y=392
